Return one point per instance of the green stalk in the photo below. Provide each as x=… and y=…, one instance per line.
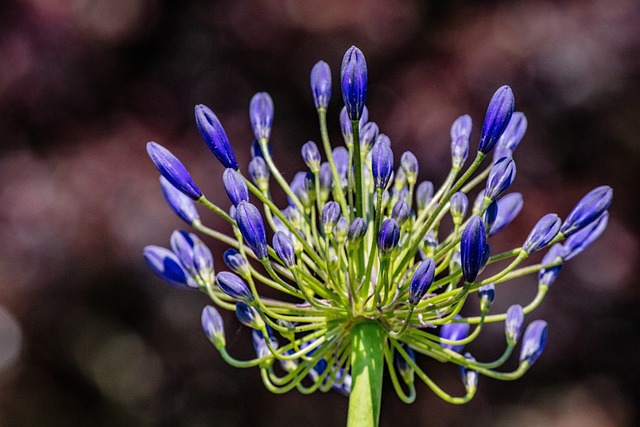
x=367, y=366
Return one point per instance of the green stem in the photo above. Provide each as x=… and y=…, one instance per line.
x=366, y=373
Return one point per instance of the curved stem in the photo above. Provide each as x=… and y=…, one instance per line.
x=366, y=372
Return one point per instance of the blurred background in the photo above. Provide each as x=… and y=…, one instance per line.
x=90, y=337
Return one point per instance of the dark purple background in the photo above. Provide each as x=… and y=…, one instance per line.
x=88, y=336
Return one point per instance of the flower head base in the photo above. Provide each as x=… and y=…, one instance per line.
x=360, y=247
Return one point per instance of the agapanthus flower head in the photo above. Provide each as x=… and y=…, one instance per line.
x=214, y=135
x=497, y=118
x=364, y=263
x=173, y=170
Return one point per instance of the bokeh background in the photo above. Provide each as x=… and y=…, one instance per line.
x=89, y=337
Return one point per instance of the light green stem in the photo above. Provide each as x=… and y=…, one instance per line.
x=367, y=366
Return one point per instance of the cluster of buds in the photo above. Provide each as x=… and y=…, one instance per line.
x=361, y=241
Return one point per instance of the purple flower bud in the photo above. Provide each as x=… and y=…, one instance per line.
x=214, y=135
x=459, y=205
x=325, y=176
x=260, y=343
x=487, y=294
x=542, y=233
x=353, y=76
x=341, y=159
x=409, y=164
x=588, y=209
x=166, y=264
x=182, y=244
x=512, y=135
x=509, y=206
x=299, y=187
x=213, y=326
x=382, y=139
x=341, y=228
x=422, y=279
x=500, y=178
x=513, y=323
x=180, y=203
x=259, y=171
x=234, y=286
x=311, y=155
x=424, y=194
x=381, y=165
x=454, y=332
x=261, y=115
x=460, y=132
x=330, y=215
x=388, y=236
x=283, y=246
x=356, y=231
x=248, y=315
x=403, y=367
x=497, y=118
x=472, y=248
x=534, y=341
x=400, y=212
x=321, y=84
x=252, y=228
x=469, y=376
x=236, y=262
x=368, y=136
x=173, y=170
x=583, y=238
x=399, y=181
x=490, y=215
x=547, y=276
x=235, y=186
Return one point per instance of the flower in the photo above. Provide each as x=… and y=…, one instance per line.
x=359, y=252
